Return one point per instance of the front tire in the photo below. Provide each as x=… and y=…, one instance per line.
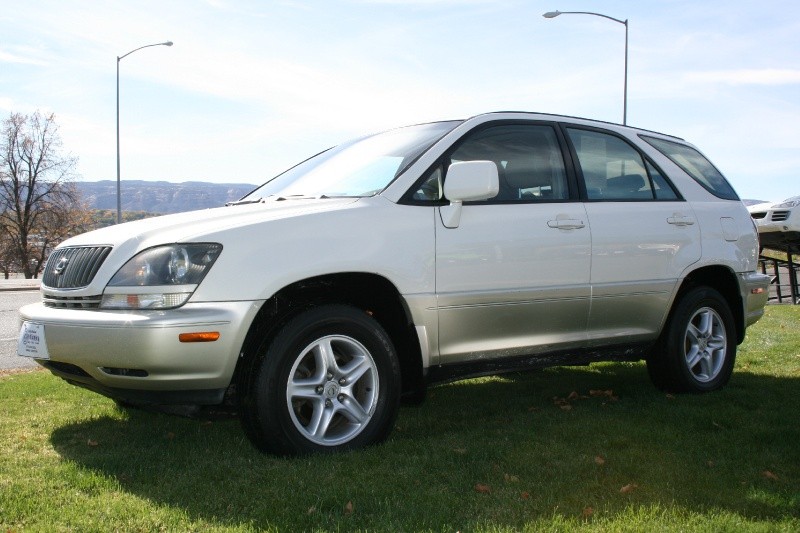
x=328, y=381
x=698, y=349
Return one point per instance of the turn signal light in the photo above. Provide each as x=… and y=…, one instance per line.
x=200, y=336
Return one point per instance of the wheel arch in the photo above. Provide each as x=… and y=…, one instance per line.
x=724, y=281
x=372, y=293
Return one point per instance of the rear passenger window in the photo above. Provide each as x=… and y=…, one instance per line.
x=661, y=186
x=612, y=169
x=696, y=165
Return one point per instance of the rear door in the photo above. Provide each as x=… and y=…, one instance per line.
x=644, y=236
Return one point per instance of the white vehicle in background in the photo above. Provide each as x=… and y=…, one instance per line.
x=778, y=223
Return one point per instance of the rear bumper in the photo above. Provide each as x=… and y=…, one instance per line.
x=755, y=292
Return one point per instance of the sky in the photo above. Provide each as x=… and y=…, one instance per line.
x=250, y=88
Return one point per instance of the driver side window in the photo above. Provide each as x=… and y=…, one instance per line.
x=528, y=159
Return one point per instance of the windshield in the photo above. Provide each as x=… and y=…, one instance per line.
x=363, y=167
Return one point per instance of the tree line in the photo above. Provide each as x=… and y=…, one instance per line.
x=39, y=202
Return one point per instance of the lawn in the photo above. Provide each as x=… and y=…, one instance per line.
x=593, y=448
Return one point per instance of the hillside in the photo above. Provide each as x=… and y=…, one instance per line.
x=161, y=196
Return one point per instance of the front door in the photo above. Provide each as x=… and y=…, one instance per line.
x=513, y=277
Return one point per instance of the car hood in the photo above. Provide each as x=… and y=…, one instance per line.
x=758, y=208
x=192, y=226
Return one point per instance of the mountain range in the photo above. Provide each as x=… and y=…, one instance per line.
x=160, y=196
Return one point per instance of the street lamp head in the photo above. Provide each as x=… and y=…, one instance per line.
x=168, y=43
x=551, y=14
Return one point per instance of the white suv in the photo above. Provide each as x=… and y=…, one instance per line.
x=778, y=223
x=419, y=255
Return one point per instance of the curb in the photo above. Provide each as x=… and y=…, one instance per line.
x=19, y=287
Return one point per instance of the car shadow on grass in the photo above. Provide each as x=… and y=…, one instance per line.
x=582, y=443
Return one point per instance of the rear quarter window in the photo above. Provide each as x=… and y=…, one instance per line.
x=696, y=165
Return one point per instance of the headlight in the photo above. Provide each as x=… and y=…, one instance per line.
x=787, y=205
x=163, y=277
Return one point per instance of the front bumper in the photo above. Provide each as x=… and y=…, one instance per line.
x=138, y=356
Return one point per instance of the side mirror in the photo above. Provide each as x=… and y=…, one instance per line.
x=467, y=181
x=471, y=180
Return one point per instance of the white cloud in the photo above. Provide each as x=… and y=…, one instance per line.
x=770, y=76
x=22, y=55
x=6, y=104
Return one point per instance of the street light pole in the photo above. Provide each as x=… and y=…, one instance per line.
x=554, y=14
x=119, y=58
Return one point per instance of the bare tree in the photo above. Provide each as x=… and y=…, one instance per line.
x=7, y=262
x=38, y=201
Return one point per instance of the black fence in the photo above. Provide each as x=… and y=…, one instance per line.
x=783, y=272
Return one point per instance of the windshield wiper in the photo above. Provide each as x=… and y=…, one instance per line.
x=302, y=197
x=243, y=201
x=274, y=198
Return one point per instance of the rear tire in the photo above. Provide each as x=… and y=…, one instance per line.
x=697, y=350
x=328, y=381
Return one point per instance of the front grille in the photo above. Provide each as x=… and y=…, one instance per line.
x=72, y=302
x=74, y=267
x=780, y=216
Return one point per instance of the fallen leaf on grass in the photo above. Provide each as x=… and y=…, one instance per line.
x=598, y=459
x=603, y=393
x=587, y=512
x=525, y=495
x=311, y=510
x=170, y=435
x=769, y=475
x=460, y=451
x=627, y=489
x=348, y=508
x=91, y=442
x=510, y=478
x=561, y=403
x=482, y=488
x=573, y=396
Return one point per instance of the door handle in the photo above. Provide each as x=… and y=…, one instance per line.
x=680, y=220
x=566, y=223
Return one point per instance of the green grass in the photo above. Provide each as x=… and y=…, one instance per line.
x=495, y=454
